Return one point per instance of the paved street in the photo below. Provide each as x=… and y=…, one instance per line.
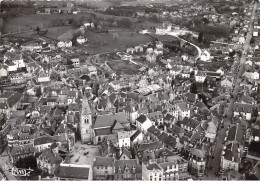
x=215, y=163
x=78, y=154
x=5, y=165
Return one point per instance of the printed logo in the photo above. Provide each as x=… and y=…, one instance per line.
x=20, y=172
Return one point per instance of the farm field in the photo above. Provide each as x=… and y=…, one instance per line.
x=123, y=67
x=105, y=42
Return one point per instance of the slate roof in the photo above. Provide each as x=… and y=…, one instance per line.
x=22, y=149
x=108, y=120
x=134, y=135
x=247, y=108
x=14, y=99
x=103, y=161
x=43, y=140
x=126, y=152
x=72, y=171
x=183, y=106
x=103, y=131
x=141, y=118
x=149, y=146
x=253, y=149
x=231, y=152
x=50, y=157
x=127, y=163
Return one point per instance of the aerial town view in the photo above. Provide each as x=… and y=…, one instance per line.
x=136, y=90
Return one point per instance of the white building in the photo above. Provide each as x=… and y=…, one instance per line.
x=205, y=56
x=124, y=139
x=182, y=111
x=43, y=77
x=252, y=75
x=42, y=143
x=143, y=123
x=244, y=110
x=81, y=40
x=255, y=32
x=230, y=158
x=200, y=77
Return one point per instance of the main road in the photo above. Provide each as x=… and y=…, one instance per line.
x=218, y=147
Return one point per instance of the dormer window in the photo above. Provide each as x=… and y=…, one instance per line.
x=126, y=169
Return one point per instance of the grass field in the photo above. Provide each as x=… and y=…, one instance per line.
x=104, y=42
x=123, y=67
x=56, y=32
x=31, y=21
x=34, y=20
x=66, y=36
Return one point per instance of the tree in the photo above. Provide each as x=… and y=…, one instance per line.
x=205, y=21
x=75, y=23
x=231, y=54
x=1, y=23
x=38, y=91
x=200, y=37
x=38, y=29
x=252, y=41
x=27, y=162
x=125, y=22
x=99, y=27
x=205, y=84
x=114, y=24
x=193, y=88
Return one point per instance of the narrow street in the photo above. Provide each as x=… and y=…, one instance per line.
x=215, y=163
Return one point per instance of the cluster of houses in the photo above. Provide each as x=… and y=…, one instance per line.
x=159, y=124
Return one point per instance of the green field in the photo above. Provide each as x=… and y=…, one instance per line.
x=104, y=42
x=122, y=67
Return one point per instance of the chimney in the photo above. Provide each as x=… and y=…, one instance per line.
x=165, y=128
